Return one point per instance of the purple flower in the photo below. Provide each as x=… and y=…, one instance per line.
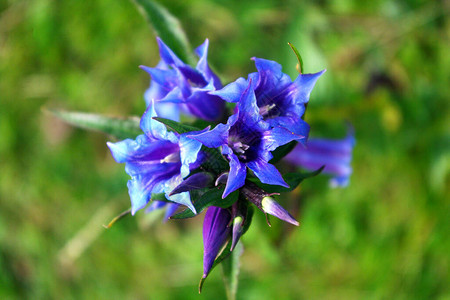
x=281, y=101
x=336, y=155
x=247, y=141
x=177, y=86
x=216, y=231
x=157, y=161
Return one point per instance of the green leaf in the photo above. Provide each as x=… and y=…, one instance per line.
x=292, y=179
x=214, y=161
x=212, y=197
x=167, y=27
x=121, y=128
x=176, y=126
x=299, y=58
x=230, y=271
x=282, y=151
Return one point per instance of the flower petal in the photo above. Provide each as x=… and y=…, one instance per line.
x=236, y=177
x=213, y=138
x=303, y=85
x=203, y=67
x=266, y=172
x=232, y=92
x=155, y=129
x=167, y=54
x=204, y=105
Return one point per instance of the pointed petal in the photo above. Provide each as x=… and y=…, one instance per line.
x=166, y=78
x=303, y=85
x=167, y=55
x=233, y=91
x=203, y=67
x=213, y=138
x=142, y=149
x=266, y=172
x=155, y=129
x=215, y=234
x=272, y=207
x=184, y=199
x=248, y=110
x=236, y=177
x=189, y=149
x=279, y=136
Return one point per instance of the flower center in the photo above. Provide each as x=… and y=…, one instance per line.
x=171, y=158
x=244, y=142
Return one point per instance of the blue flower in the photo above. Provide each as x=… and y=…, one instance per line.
x=176, y=86
x=157, y=161
x=336, y=155
x=247, y=140
x=281, y=101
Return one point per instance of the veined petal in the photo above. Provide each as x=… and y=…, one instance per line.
x=236, y=177
x=181, y=198
x=303, y=85
x=142, y=149
x=248, y=110
x=166, y=78
x=155, y=129
x=232, y=92
x=296, y=126
x=279, y=136
x=204, y=105
x=189, y=149
x=213, y=138
x=266, y=172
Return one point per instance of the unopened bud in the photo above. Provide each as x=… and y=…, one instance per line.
x=270, y=206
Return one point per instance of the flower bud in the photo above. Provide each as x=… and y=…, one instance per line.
x=271, y=207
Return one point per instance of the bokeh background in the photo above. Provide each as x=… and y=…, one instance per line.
x=386, y=236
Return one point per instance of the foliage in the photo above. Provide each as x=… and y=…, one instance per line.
x=385, y=236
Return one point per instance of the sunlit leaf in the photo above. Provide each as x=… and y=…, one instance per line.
x=121, y=128
x=167, y=27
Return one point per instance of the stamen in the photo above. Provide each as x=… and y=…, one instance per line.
x=171, y=158
x=265, y=110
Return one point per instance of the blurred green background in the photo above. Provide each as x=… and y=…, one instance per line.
x=386, y=236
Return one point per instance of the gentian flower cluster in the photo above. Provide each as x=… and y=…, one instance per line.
x=226, y=168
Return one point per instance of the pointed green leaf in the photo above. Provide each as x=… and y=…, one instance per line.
x=299, y=58
x=282, y=151
x=121, y=128
x=167, y=27
x=292, y=179
x=212, y=197
x=230, y=271
x=176, y=126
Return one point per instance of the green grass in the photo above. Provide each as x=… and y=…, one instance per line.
x=383, y=237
